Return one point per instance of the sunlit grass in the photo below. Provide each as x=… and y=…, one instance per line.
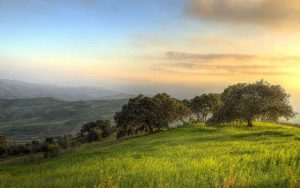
x=267, y=155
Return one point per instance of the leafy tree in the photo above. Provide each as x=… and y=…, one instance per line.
x=148, y=114
x=186, y=102
x=49, y=140
x=96, y=130
x=3, y=145
x=167, y=109
x=204, y=105
x=17, y=149
x=257, y=101
x=105, y=127
x=139, y=115
x=184, y=112
x=66, y=141
x=94, y=134
x=36, y=146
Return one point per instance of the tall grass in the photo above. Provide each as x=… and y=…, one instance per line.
x=267, y=155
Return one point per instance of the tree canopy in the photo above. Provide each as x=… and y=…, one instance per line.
x=204, y=105
x=254, y=101
x=96, y=130
x=145, y=114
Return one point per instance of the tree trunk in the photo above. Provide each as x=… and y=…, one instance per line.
x=249, y=121
x=158, y=127
x=182, y=119
x=198, y=117
x=168, y=128
x=151, y=129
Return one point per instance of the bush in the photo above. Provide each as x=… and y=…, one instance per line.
x=94, y=131
x=94, y=135
x=3, y=145
x=53, y=150
x=66, y=141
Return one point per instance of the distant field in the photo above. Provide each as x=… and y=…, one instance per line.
x=22, y=119
x=267, y=155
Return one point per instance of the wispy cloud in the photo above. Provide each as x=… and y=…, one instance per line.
x=261, y=12
x=226, y=64
x=206, y=57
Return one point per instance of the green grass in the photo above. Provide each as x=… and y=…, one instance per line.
x=22, y=119
x=267, y=155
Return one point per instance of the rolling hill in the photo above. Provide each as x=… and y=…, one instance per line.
x=12, y=89
x=25, y=119
x=267, y=155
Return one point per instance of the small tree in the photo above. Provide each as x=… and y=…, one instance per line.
x=94, y=134
x=184, y=112
x=66, y=141
x=258, y=101
x=96, y=130
x=167, y=110
x=139, y=115
x=204, y=105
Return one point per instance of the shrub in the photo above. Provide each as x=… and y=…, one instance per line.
x=53, y=150
x=3, y=145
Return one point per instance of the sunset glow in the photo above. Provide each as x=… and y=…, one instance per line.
x=184, y=47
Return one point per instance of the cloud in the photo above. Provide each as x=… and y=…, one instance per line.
x=227, y=64
x=221, y=70
x=206, y=57
x=260, y=12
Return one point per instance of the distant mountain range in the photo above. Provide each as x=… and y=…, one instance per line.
x=12, y=89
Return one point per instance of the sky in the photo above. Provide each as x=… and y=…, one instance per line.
x=184, y=47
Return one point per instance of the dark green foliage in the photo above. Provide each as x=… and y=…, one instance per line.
x=146, y=115
x=66, y=141
x=186, y=102
x=184, y=112
x=94, y=131
x=94, y=135
x=36, y=146
x=52, y=150
x=249, y=102
x=23, y=149
x=49, y=140
x=204, y=105
x=3, y=145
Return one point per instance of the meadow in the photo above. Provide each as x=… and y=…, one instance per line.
x=267, y=155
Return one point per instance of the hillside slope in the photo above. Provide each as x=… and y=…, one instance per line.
x=13, y=89
x=192, y=156
x=22, y=119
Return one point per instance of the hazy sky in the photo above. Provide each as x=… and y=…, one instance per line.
x=184, y=47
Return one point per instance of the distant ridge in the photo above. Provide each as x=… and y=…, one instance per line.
x=13, y=89
x=118, y=96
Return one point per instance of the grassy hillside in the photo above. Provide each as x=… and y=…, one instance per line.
x=22, y=119
x=192, y=156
